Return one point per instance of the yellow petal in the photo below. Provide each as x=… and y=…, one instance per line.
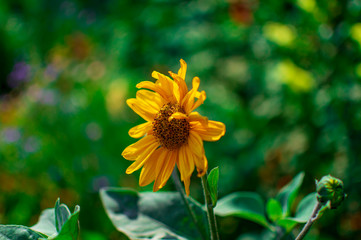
x=148, y=173
x=152, y=99
x=212, y=132
x=181, y=86
x=142, y=109
x=134, y=150
x=178, y=115
x=200, y=100
x=183, y=69
x=185, y=162
x=165, y=170
x=195, y=144
x=169, y=86
x=142, y=158
x=140, y=130
x=188, y=101
x=196, y=117
x=186, y=185
x=152, y=86
x=202, y=165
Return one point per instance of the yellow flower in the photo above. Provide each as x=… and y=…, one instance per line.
x=173, y=134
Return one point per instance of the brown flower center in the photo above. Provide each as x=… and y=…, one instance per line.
x=170, y=134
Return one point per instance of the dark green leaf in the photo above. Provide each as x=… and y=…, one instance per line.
x=47, y=224
x=274, y=210
x=247, y=205
x=303, y=212
x=213, y=184
x=62, y=213
x=70, y=229
x=288, y=193
x=15, y=232
x=148, y=214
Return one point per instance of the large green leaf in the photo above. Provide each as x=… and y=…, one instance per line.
x=213, y=185
x=16, y=232
x=247, y=205
x=288, y=193
x=152, y=215
x=46, y=223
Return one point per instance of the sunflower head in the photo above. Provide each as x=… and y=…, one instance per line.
x=173, y=133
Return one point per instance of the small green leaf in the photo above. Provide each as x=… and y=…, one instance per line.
x=213, y=184
x=247, y=205
x=303, y=212
x=159, y=215
x=69, y=229
x=62, y=214
x=288, y=193
x=16, y=232
x=274, y=210
x=305, y=207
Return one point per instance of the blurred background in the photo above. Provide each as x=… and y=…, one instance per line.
x=284, y=76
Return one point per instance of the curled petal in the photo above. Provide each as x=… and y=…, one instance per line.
x=196, y=117
x=154, y=87
x=212, y=132
x=178, y=115
x=187, y=182
x=202, y=165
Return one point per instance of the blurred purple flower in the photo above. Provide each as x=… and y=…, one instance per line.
x=11, y=135
x=19, y=74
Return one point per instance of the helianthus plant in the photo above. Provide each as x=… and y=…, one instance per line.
x=173, y=134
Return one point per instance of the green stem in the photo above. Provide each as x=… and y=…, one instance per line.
x=310, y=221
x=210, y=213
x=179, y=188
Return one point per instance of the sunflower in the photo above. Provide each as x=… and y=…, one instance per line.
x=173, y=134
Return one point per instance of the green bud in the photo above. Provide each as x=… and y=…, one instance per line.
x=330, y=191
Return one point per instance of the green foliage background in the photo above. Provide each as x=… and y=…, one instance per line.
x=284, y=76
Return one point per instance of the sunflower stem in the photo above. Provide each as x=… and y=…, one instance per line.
x=210, y=213
x=310, y=221
x=179, y=188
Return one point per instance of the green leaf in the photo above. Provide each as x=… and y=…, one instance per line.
x=69, y=228
x=62, y=214
x=303, y=212
x=146, y=215
x=274, y=210
x=16, y=232
x=247, y=205
x=305, y=208
x=46, y=223
x=288, y=193
x=213, y=184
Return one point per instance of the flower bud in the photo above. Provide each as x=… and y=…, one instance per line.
x=330, y=191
